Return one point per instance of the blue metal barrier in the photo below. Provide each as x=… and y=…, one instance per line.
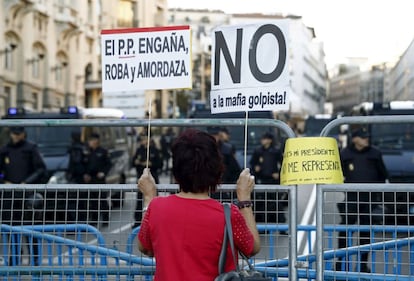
x=130, y=244
x=278, y=268
x=15, y=235
x=392, y=247
x=96, y=265
x=92, y=260
x=150, y=262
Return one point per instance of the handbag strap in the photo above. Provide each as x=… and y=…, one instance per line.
x=227, y=238
x=222, y=258
x=227, y=208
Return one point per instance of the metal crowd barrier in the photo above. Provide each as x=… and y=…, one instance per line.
x=292, y=249
x=321, y=192
x=129, y=265
x=304, y=259
x=67, y=257
x=65, y=246
x=54, y=255
x=391, y=251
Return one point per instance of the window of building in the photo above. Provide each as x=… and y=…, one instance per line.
x=90, y=11
x=35, y=98
x=58, y=74
x=61, y=6
x=60, y=68
x=8, y=57
x=88, y=72
x=125, y=13
x=90, y=45
x=8, y=53
x=59, y=102
x=98, y=8
x=36, y=61
x=5, y=99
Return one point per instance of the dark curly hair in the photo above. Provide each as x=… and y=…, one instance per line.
x=197, y=162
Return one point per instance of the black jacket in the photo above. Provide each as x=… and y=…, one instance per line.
x=77, y=162
x=365, y=166
x=22, y=163
x=97, y=160
x=140, y=157
x=269, y=160
x=166, y=143
x=231, y=166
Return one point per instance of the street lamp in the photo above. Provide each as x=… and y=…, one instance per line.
x=34, y=60
x=8, y=49
x=59, y=66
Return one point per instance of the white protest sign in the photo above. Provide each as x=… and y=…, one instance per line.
x=250, y=68
x=146, y=58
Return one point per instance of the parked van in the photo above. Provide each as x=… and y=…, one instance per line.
x=53, y=142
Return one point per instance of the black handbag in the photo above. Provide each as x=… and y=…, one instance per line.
x=249, y=274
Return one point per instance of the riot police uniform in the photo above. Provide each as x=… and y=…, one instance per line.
x=265, y=163
x=77, y=160
x=21, y=163
x=76, y=201
x=97, y=166
x=139, y=161
x=232, y=168
x=269, y=160
x=360, y=166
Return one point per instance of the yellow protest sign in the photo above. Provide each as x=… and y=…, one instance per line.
x=311, y=160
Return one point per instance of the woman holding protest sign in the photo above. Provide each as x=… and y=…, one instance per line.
x=190, y=223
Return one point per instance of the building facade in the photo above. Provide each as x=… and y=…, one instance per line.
x=308, y=74
x=50, y=49
x=351, y=86
x=307, y=68
x=389, y=81
x=400, y=79
x=202, y=23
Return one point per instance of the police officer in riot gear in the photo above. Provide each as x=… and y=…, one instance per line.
x=77, y=202
x=21, y=163
x=97, y=166
x=265, y=164
x=139, y=161
x=232, y=168
x=361, y=163
x=76, y=166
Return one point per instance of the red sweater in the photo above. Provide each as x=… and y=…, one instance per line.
x=186, y=237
